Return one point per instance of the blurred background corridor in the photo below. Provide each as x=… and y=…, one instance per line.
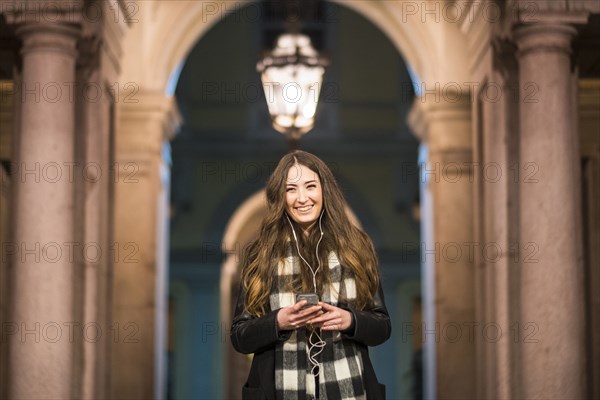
x=136, y=138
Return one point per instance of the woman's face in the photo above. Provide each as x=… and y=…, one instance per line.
x=303, y=195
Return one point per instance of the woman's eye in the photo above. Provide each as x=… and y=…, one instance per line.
x=289, y=189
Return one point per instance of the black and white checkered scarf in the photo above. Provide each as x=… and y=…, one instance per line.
x=341, y=364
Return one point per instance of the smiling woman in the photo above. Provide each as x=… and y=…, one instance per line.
x=316, y=351
x=304, y=197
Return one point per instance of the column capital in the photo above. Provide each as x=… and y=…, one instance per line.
x=544, y=37
x=147, y=118
x=49, y=37
x=440, y=120
x=548, y=25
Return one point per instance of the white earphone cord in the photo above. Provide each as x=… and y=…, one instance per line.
x=319, y=343
x=313, y=272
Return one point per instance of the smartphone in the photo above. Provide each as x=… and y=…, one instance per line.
x=312, y=299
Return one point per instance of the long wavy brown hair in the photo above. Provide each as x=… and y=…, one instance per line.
x=353, y=247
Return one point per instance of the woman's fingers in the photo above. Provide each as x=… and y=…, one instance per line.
x=303, y=319
x=299, y=318
x=310, y=310
x=298, y=306
x=332, y=325
x=335, y=318
x=332, y=312
x=327, y=306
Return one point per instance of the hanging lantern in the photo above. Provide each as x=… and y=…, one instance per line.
x=292, y=76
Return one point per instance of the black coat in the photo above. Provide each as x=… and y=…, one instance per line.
x=249, y=334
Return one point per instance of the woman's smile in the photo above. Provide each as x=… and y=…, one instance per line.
x=305, y=209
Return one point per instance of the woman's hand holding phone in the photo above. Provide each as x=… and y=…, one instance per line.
x=296, y=316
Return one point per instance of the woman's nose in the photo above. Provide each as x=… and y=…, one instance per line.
x=302, y=196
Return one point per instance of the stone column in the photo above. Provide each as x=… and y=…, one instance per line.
x=98, y=92
x=443, y=123
x=94, y=224
x=147, y=120
x=7, y=112
x=495, y=152
x=589, y=126
x=41, y=355
x=551, y=332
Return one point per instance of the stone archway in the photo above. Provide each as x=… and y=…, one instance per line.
x=434, y=51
